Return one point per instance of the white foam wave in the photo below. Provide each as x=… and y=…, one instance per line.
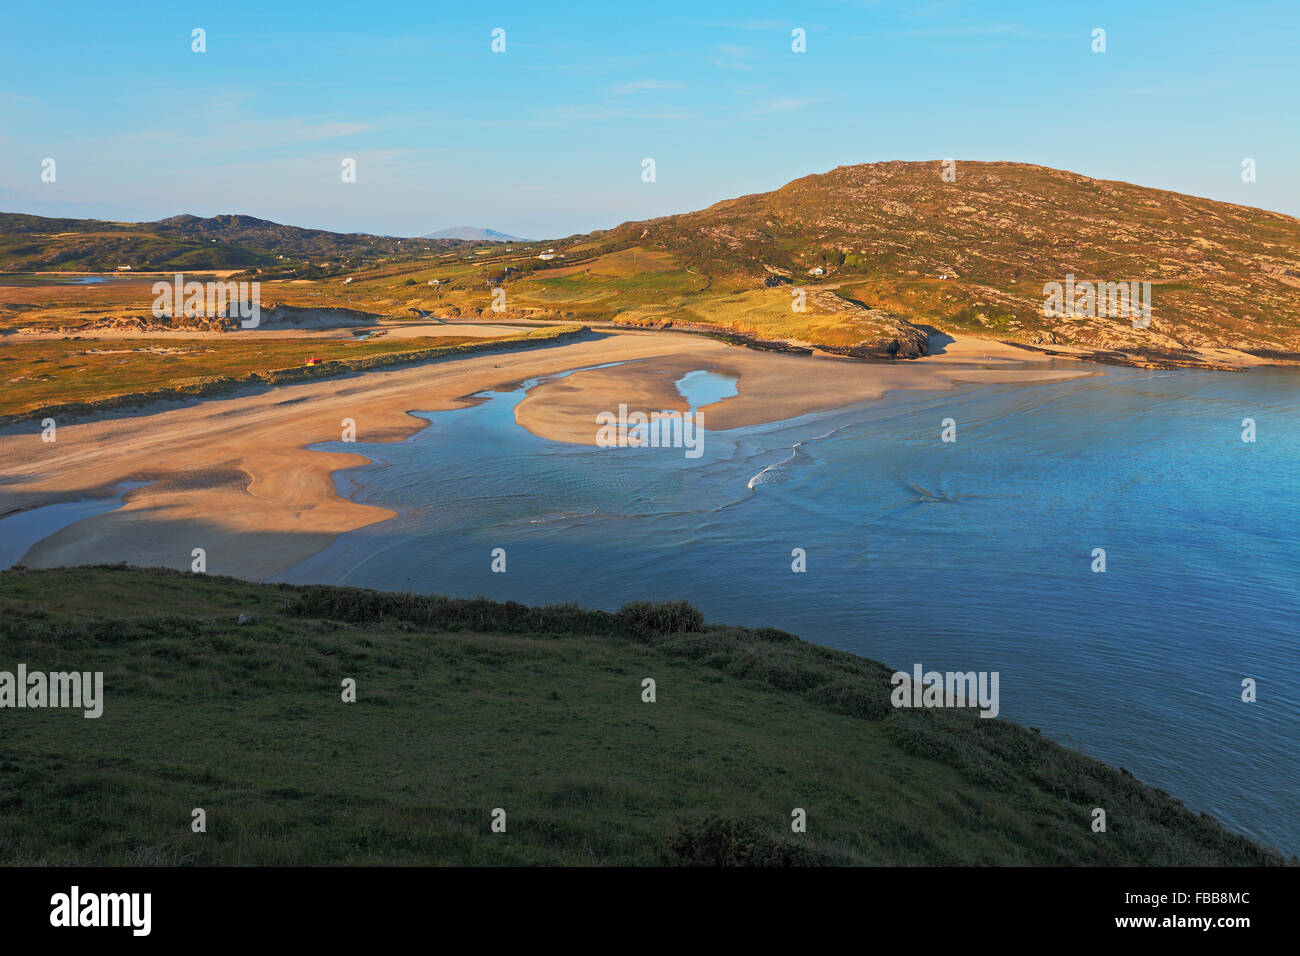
x=759, y=478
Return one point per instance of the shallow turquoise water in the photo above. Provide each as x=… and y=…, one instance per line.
x=973, y=555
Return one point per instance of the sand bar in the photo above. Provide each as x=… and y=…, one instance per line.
x=233, y=474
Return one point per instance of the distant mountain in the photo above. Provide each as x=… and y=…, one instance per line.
x=37, y=243
x=473, y=234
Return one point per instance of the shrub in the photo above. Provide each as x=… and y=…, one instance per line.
x=435, y=612
x=646, y=619
x=859, y=697
x=732, y=842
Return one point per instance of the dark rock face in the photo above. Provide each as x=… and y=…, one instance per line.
x=906, y=344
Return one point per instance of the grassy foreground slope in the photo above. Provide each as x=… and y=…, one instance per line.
x=467, y=706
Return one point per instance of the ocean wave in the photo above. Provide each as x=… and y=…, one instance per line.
x=762, y=479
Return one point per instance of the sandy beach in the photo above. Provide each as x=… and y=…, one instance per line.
x=234, y=475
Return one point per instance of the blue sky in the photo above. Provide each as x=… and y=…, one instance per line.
x=547, y=138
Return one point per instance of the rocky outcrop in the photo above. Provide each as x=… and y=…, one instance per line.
x=143, y=324
x=881, y=334
x=272, y=316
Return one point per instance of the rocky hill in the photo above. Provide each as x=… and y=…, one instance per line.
x=974, y=254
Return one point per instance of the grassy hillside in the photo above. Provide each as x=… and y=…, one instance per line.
x=467, y=706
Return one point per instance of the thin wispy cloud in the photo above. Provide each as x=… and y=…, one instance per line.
x=261, y=134
x=589, y=114
x=759, y=25
x=783, y=104
x=229, y=100
x=992, y=30
x=730, y=56
x=600, y=65
x=644, y=86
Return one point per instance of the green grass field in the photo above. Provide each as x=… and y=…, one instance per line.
x=467, y=706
